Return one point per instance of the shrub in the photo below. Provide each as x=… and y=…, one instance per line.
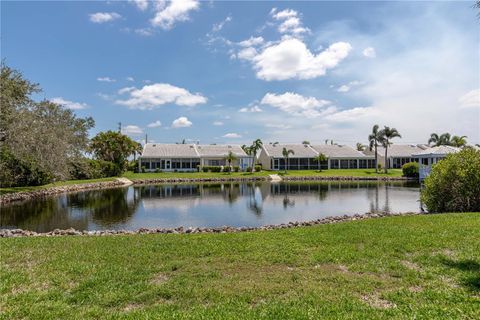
x=248, y=169
x=454, y=183
x=133, y=166
x=143, y=169
x=227, y=169
x=379, y=166
x=158, y=170
x=236, y=168
x=410, y=169
x=205, y=169
x=258, y=168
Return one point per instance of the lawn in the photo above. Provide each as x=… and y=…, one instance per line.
x=332, y=172
x=51, y=185
x=421, y=267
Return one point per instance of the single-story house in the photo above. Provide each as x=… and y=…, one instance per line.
x=338, y=157
x=428, y=157
x=188, y=157
x=398, y=154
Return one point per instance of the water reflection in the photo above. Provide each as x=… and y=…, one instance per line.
x=218, y=204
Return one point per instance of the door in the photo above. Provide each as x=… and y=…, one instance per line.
x=167, y=164
x=275, y=164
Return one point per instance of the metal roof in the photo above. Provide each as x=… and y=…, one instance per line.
x=400, y=150
x=437, y=151
x=162, y=150
x=339, y=151
x=300, y=150
x=220, y=150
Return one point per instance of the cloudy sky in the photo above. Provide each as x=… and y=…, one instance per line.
x=236, y=71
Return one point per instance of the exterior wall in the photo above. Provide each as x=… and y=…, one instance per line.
x=169, y=164
x=264, y=160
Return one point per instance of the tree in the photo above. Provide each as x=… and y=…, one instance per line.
x=230, y=157
x=114, y=147
x=38, y=139
x=256, y=145
x=375, y=138
x=440, y=140
x=387, y=135
x=305, y=142
x=286, y=153
x=459, y=141
x=320, y=158
x=360, y=146
x=454, y=183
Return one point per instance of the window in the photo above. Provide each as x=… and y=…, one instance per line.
x=334, y=164
x=343, y=164
x=352, y=163
x=146, y=164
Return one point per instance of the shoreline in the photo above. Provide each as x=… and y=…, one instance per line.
x=17, y=233
x=123, y=182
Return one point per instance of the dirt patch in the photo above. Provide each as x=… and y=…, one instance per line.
x=375, y=301
x=411, y=265
x=415, y=289
x=449, y=282
x=132, y=306
x=159, y=279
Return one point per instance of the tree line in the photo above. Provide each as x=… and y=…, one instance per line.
x=42, y=142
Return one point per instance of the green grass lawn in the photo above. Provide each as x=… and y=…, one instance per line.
x=332, y=172
x=424, y=267
x=50, y=185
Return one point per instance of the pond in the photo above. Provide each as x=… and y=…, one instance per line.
x=209, y=205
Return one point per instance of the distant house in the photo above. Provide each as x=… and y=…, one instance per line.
x=398, y=154
x=338, y=157
x=428, y=157
x=188, y=157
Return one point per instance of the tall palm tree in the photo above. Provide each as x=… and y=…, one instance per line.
x=286, y=153
x=375, y=138
x=434, y=138
x=320, y=158
x=387, y=135
x=256, y=145
x=459, y=141
x=360, y=146
x=440, y=140
x=229, y=158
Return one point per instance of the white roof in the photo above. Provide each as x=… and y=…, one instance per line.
x=219, y=150
x=300, y=150
x=401, y=150
x=437, y=151
x=339, y=151
x=163, y=150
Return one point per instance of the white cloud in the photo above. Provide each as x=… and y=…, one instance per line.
x=130, y=79
x=292, y=59
x=155, y=124
x=132, y=130
x=219, y=26
x=251, y=109
x=278, y=126
x=69, y=104
x=291, y=22
x=247, y=53
x=158, y=94
x=354, y=114
x=471, y=99
x=105, y=79
x=218, y=123
x=146, y=32
x=140, y=4
x=102, y=17
x=176, y=10
x=347, y=87
x=369, y=52
x=232, y=135
x=181, y=122
x=296, y=104
x=251, y=42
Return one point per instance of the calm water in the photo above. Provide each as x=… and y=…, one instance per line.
x=209, y=205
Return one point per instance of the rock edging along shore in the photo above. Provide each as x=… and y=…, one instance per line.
x=9, y=233
x=347, y=178
x=213, y=179
x=28, y=195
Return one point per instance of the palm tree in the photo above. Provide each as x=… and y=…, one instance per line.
x=360, y=146
x=388, y=134
x=305, y=142
x=256, y=145
x=229, y=158
x=375, y=138
x=440, y=140
x=459, y=141
x=326, y=141
x=434, y=138
x=320, y=158
x=286, y=153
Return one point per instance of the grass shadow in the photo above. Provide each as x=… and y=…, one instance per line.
x=470, y=272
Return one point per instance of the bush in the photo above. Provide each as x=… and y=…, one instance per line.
x=211, y=169
x=133, y=166
x=410, y=169
x=227, y=169
x=258, y=168
x=379, y=166
x=454, y=183
x=248, y=169
x=205, y=169
x=158, y=170
x=236, y=168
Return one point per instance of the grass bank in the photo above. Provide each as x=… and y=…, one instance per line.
x=293, y=173
x=425, y=266
x=51, y=185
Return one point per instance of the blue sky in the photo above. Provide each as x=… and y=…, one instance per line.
x=236, y=71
